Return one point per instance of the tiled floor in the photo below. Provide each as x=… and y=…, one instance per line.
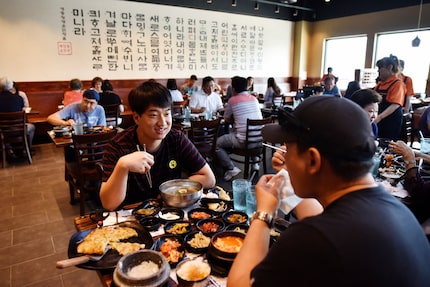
x=36, y=222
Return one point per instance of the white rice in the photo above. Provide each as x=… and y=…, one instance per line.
x=144, y=269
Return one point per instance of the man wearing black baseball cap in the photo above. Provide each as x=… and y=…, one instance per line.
x=86, y=112
x=364, y=236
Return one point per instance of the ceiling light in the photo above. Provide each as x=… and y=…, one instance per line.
x=209, y=1
x=277, y=9
x=234, y=3
x=256, y=6
x=416, y=42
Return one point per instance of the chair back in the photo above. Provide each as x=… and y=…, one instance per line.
x=14, y=133
x=278, y=100
x=89, y=149
x=254, y=139
x=178, y=107
x=203, y=135
x=112, y=114
x=253, y=144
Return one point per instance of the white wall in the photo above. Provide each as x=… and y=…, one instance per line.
x=32, y=33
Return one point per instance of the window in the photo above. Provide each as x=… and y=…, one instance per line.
x=417, y=60
x=344, y=55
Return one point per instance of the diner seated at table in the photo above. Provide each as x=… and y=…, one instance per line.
x=418, y=189
x=363, y=237
x=149, y=153
x=368, y=100
x=272, y=91
x=330, y=87
x=351, y=88
x=86, y=112
x=241, y=106
x=173, y=89
x=189, y=86
x=109, y=97
x=206, y=99
x=23, y=95
x=96, y=84
x=13, y=102
x=75, y=93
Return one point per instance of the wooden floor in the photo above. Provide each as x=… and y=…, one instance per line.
x=36, y=222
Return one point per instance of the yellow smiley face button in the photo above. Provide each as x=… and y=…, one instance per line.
x=173, y=164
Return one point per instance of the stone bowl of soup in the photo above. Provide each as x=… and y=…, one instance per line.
x=181, y=192
x=142, y=268
x=222, y=251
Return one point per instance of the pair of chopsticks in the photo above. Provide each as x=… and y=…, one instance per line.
x=148, y=174
x=274, y=147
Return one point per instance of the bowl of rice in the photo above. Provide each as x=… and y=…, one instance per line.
x=193, y=272
x=142, y=268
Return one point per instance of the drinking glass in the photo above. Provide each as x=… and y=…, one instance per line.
x=78, y=128
x=240, y=189
x=251, y=202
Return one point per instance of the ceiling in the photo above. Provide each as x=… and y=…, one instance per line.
x=309, y=10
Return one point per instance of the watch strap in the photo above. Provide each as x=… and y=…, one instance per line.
x=263, y=216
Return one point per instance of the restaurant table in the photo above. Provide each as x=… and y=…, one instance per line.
x=106, y=276
x=59, y=141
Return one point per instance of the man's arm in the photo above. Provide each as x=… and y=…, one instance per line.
x=56, y=120
x=256, y=244
x=114, y=190
x=205, y=176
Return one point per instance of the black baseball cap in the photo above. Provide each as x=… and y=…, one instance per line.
x=335, y=126
x=91, y=95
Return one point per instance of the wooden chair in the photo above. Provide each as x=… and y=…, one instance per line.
x=204, y=134
x=178, y=107
x=112, y=115
x=83, y=174
x=253, y=146
x=13, y=135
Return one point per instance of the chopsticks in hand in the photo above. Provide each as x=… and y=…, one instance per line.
x=148, y=174
x=274, y=147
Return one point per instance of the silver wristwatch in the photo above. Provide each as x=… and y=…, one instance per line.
x=264, y=216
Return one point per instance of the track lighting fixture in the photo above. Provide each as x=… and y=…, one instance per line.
x=209, y=1
x=256, y=6
x=277, y=10
x=234, y=3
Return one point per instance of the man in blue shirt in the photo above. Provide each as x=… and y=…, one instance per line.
x=86, y=112
x=330, y=87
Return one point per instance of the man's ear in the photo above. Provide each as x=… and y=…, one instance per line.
x=313, y=160
x=136, y=117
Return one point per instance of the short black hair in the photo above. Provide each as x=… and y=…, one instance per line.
x=239, y=84
x=364, y=97
x=75, y=84
x=207, y=80
x=171, y=84
x=147, y=93
x=193, y=77
x=106, y=86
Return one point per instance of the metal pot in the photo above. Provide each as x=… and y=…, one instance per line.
x=181, y=192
